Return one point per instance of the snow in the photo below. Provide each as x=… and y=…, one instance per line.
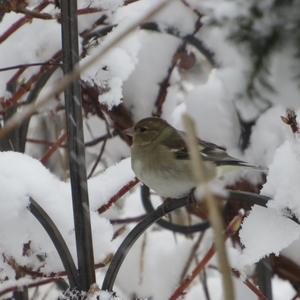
x=23, y=177
x=110, y=5
x=157, y=50
x=283, y=177
x=11, y=52
x=267, y=135
x=131, y=74
x=101, y=193
x=264, y=232
x=282, y=289
x=114, y=68
x=223, y=128
x=164, y=256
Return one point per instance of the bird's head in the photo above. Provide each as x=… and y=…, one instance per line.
x=149, y=130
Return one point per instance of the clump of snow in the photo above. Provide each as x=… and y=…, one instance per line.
x=95, y=295
x=154, y=60
x=22, y=177
x=113, y=69
x=102, y=187
x=177, y=16
x=103, y=295
x=170, y=255
x=264, y=232
x=215, y=117
x=48, y=43
x=283, y=178
x=267, y=135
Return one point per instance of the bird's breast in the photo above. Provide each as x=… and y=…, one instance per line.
x=163, y=174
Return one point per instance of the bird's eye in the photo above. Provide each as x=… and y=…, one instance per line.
x=142, y=129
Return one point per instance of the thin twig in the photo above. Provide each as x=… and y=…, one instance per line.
x=165, y=83
x=232, y=227
x=142, y=258
x=35, y=14
x=24, y=270
x=98, y=159
x=121, y=192
x=215, y=217
x=26, y=86
x=33, y=284
x=251, y=286
x=204, y=284
x=119, y=231
x=48, y=277
x=53, y=148
x=127, y=220
x=19, y=117
x=192, y=255
x=42, y=142
x=28, y=65
x=26, y=19
x=99, y=139
x=87, y=144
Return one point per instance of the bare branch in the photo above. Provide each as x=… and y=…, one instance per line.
x=118, y=195
x=21, y=116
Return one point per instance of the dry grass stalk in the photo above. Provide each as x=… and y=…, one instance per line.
x=215, y=217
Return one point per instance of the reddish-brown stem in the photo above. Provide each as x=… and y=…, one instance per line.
x=35, y=14
x=118, y=232
x=25, y=87
x=53, y=148
x=87, y=144
x=251, y=286
x=15, y=77
x=121, y=192
x=165, y=83
x=23, y=270
x=230, y=230
x=88, y=10
x=49, y=278
x=30, y=285
x=14, y=27
x=42, y=142
x=192, y=255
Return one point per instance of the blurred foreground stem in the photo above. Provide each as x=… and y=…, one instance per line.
x=215, y=217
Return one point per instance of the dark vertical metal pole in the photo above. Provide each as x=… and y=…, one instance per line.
x=264, y=277
x=21, y=295
x=81, y=212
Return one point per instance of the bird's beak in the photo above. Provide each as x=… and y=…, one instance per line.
x=129, y=131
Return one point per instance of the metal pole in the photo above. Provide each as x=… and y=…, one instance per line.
x=264, y=277
x=85, y=255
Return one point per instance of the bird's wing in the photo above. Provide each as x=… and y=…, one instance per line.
x=177, y=146
x=208, y=151
x=219, y=155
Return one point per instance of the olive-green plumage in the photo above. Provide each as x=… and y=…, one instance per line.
x=160, y=159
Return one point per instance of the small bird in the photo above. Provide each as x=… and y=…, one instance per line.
x=160, y=158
